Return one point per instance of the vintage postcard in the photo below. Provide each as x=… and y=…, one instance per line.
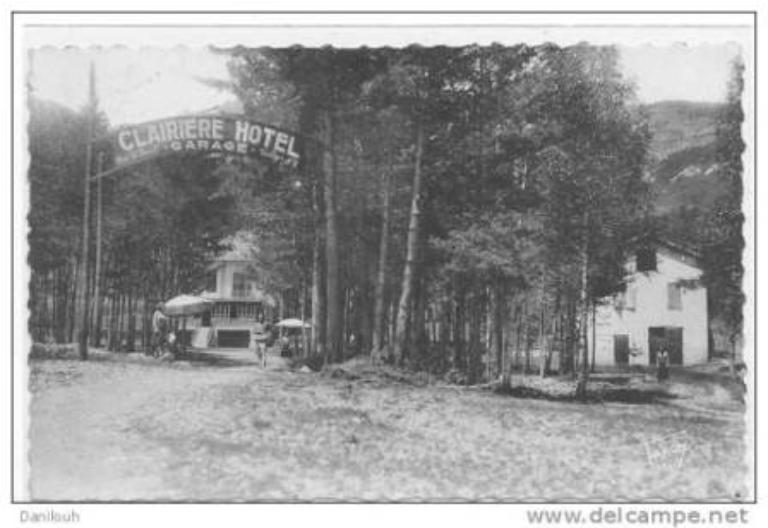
x=276, y=258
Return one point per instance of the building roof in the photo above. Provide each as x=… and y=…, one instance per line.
x=216, y=264
x=682, y=248
x=258, y=296
x=675, y=246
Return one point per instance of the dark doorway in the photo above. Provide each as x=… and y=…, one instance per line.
x=669, y=337
x=233, y=338
x=621, y=349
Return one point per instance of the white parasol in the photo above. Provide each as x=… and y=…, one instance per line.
x=183, y=305
x=293, y=323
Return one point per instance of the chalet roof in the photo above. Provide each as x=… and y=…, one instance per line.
x=258, y=296
x=219, y=262
x=675, y=246
x=683, y=252
x=682, y=248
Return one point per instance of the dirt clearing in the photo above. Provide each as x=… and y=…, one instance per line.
x=144, y=430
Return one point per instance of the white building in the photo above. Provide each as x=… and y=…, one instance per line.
x=664, y=306
x=239, y=298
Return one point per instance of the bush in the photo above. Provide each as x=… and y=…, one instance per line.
x=53, y=351
x=314, y=363
x=456, y=377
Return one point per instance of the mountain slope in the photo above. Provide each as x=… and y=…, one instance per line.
x=679, y=125
x=685, y=170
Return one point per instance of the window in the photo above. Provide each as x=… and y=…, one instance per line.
x=674, y=296
x=621, y=349
x=241, y=286
x=221, y=311
x=210, y=281
x=631, y=294
x=646, y=260
x=626, y=300
x=620, y=301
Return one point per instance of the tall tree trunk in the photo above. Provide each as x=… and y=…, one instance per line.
x=34, y=310
x=96, y=338
x=318, y=290
x=121, y=322
x=113, y=314
x=59, y=306
x=131, y=321
x=542, y=332
x=444, y=334
x=411, y=250
x=518, y=334
x=391, y=322
x=569, y=332
x=303, y=315
x=72, y=303
x=145, y=322
x=64, y=311
x=381, y=273
x=581, y=387
x=56, y=305
x=594, y=335
x=83, y=303
x=524, y=336
x=333, y=287
x=475, y=338
x=366, y=319
x=347, y=314
x=417, y=324
x=98, y=315
x=459, y=362
x=489, y=307
x=281, y=305
x=497, y=334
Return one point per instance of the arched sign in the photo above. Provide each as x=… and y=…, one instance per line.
x=205, y=134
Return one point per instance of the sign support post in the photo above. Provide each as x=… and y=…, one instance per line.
x=82, y=318
x=97, y=309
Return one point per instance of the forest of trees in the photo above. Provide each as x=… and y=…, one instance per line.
x=456, y=209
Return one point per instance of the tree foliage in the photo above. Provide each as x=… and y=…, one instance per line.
x=458, y=206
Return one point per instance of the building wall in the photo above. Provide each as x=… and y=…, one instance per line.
x=225, y=278
x=651, y=309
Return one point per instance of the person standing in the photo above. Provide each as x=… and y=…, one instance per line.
x=259, y=337
x=662, y=365
x=159, y=327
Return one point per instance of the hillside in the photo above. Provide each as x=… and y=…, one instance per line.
x=685, y=172
x=679, y=125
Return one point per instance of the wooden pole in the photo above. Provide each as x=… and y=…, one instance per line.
x=96, y=340
x=334, y=301
x=184, y=336
x=82, y=318
x=381, y=273
x=581, y=387
x=594, y=334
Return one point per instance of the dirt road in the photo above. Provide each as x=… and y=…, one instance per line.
x=118, y=429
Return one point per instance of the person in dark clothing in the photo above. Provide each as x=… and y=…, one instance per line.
x=159, y=329
x=285, y=347
x=662, y=365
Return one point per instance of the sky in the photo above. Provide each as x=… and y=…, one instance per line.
x=679, y=72
x=132, y=85
x=135, y=85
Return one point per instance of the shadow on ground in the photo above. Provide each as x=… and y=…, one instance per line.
x=613, y=394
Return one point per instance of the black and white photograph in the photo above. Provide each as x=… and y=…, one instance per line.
x=343, y=260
